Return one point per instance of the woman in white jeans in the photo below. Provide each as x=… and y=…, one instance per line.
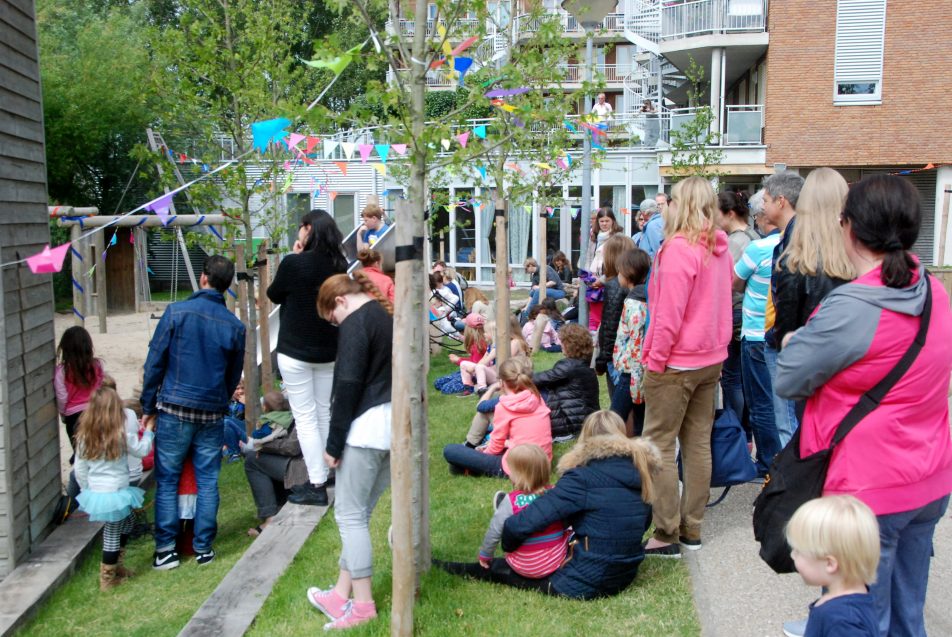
x=359, y=441
x=307, y=344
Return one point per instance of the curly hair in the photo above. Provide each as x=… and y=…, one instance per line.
x=576, y=342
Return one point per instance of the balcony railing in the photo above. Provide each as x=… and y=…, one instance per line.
x=702, y=17
x=463, y=27
x=614, y=73
x=434, y=78
x=614, y=23
x=742, y=125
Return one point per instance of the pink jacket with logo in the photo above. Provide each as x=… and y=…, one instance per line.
x=899, y=457
x=519, y=419
x=689, y=305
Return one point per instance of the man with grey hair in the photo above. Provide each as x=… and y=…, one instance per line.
x=756, y=205
x=652, y=228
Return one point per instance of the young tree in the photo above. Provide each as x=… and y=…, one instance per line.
x=695, y=146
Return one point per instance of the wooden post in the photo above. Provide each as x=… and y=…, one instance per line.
x=264, y=309
x=543, y=264
x=503, y=312
x=76, y=271
x=89, y=260
x=944, y=223
x=101, y=305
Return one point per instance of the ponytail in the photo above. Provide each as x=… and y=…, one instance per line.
x=371, y=288
x=517, y=376
x=368, y=257
x=898, y=266
x=342, y=285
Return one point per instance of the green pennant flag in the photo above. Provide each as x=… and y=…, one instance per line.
x=337, y=64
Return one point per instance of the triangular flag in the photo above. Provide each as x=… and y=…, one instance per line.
x=929, y=166
x=342, y=165
x=48, y=260
x=294, y=139
x=112, y=241
x=447, y=49
x=329, y=148
x=445, y=143
x=461, y=65
x=624, y=211
x=575, y=212
x=365, y=150
x=263, y=133
x=482, y=171
x=311, y=143
x=380, y=168
x=463, y=138
x=349, y=148
x=542, y=165
x=435, y=64
x=288, y=182
x=337, y=64
x=401, y=149
x=332, y=195
x=465, y=44
x=383, y=150
x=509, y=108
x=161, y=207
x=570, y=127
x=480, y=131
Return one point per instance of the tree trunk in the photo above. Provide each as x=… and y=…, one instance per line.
x=503, y=331
x=264, y=309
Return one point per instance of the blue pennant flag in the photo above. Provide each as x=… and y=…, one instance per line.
x=268, y=131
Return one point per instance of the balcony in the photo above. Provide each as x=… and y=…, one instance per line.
x=742, y=125
x=614, y=73
x=612, y=26
x=710, y=17
x=459, y=29
x=436, y=79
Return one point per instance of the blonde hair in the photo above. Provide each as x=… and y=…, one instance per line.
x=474, y=336
x=517, y=376
x=372, y=210
x=102, y=434
x=606, y=426
x=529, y=468
x=816, y=243
x=694, y=216
x=515, y=332
x=838, y=526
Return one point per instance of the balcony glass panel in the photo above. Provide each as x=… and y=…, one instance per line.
x=743, y=127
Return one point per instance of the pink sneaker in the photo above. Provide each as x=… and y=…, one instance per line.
x=355, y=614
x=328, y=602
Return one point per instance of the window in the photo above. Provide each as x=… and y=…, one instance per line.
x=858, y=70
x=344, y=213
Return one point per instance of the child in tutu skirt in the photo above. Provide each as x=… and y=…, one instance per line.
x=102, y=470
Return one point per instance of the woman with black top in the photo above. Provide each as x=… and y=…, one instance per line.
x=358, y=445
x=307, y=344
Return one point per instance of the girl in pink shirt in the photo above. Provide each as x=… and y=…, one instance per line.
x=78, y=374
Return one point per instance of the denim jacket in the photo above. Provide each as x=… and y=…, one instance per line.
x=195, y=356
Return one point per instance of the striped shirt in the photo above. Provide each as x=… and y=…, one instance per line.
x=755, y=267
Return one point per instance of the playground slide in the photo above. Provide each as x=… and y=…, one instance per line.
x=274, y=323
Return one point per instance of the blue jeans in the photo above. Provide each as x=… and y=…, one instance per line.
x=234, y=433
x=785, y=411
x=623, y=405
x=476, y=462
x=176, y=439
x=758, y=393
x=550, y=293
x=732, y=381
x=905, y=541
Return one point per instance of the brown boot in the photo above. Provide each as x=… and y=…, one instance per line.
x=108, y=577
x=122, y=572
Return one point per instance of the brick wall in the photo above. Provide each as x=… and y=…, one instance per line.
x=912, y=126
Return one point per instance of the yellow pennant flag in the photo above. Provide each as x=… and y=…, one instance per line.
x=380, y=168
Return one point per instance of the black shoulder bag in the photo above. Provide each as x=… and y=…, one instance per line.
x=793, y=480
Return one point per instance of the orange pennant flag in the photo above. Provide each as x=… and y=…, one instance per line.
x=342, y=165
x=332, y=195
x=929, y=166
x=311, y=143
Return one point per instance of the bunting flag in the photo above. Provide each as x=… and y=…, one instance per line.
x=463, y=138
x=329, y=148
x=332, y=195
x=161, y=207
x=342, y=166
x=294, y=139
x=288, y=182
x=570, y=127
x=461, y=66
x=383, y=151
x=596, y=145
x=575, y=212
x=596, y=130
x=465, y=44
x=482, y=171
x=480, y=131
x=509, y=108
x=349, y=148
x=445, y=143
x=550, y=211
x=365, y=150
x=49, y=260
x=401, y=149
x=267, y=131
x=336, y=64
x=380, y=168
x=542, y=165
x=311, y=143
x=624, y=211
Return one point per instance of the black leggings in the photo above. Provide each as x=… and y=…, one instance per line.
x=499, y=572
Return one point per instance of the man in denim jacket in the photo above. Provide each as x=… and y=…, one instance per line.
x=194, y=364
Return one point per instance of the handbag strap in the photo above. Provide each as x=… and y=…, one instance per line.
x=871, y=399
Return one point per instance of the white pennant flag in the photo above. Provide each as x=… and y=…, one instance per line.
x=349, y=149
x=329, y=148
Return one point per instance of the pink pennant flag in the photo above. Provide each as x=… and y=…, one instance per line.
x=48, y=260
x=463, y=138
x=464, y=45
x=400, y=149
x=332, y=194
x=365, y=150
x=311, y=143
x=161, y=207
x=294, y=139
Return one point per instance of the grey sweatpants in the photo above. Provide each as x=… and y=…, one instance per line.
x=362, y=477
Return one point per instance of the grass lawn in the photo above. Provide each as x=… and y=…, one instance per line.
x=160, y=603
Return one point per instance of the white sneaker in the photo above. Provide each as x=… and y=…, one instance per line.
x=796, y=628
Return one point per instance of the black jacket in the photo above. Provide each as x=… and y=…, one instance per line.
x=601, y=500
x=303, y=335
x=362, y=377
x=571, y=389
x=797, y=296
x=608, y=329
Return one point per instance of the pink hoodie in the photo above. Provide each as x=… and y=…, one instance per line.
x=520, y=419
x=689, y=305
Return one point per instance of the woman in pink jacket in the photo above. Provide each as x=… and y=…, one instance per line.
x=898, y=459
x=689, y=328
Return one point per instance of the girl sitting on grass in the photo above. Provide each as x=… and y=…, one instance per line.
x=479, y=375
x=543, y=553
